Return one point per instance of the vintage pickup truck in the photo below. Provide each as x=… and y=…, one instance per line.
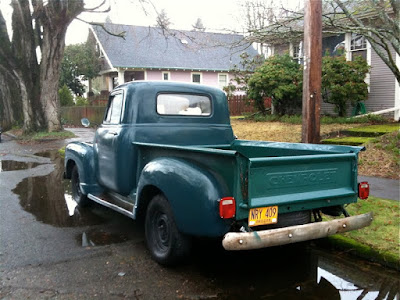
x=166, y=154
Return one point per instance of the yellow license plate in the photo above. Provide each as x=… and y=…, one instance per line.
x=263, y=216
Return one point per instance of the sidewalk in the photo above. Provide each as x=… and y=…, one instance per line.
x=383, y=187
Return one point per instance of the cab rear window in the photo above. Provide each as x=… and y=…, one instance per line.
x=183, y=105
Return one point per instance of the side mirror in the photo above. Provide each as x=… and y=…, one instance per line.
x=85, y=122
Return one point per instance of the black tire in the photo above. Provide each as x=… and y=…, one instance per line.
x=77, y=194
x=166, y=244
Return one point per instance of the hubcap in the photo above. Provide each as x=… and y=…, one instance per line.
x=161, y=231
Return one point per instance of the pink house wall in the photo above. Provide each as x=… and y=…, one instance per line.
x=208, y=78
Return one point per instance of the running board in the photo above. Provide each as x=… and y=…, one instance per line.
x=111, y=205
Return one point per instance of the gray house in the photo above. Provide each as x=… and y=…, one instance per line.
x=149, y=53
x=384, y=90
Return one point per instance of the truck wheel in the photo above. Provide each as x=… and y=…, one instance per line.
x=166, y=244
x=77, y=195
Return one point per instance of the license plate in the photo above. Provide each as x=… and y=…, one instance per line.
x=263, y=216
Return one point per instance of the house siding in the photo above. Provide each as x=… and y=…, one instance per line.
x=208, y=78
x=382, y=85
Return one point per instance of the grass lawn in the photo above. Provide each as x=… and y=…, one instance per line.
x=379, y=240
x=41, y=136
x=278, y=131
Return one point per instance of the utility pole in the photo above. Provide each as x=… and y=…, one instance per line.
x=312, y=71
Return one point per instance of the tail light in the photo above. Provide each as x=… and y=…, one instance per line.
x=363, y=190
x=227, y=207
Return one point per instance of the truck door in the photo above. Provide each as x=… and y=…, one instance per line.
x=106, y=142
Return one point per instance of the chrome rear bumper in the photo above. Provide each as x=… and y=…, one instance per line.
x=293, y=234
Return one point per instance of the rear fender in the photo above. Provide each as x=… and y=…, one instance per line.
x=192, y=192
x=82, y=155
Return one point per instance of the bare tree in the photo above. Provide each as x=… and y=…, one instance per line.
x=377, y=20
x=29, y=83
x=198, y=26
x=163, y=21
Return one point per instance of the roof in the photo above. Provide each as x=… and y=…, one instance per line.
x=148, y=47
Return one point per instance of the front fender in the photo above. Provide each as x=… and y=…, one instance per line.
x=82, y=155
x=192, y=192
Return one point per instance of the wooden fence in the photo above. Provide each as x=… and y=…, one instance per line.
x=239, y=105
x=72, y=115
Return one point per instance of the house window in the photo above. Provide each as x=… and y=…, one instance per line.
x=165, y=76
x=196, y=77
x=114, y=82
x=358, y=46
x=183, y=105
x=222, y=80
x=296, y=51
x=99, y=53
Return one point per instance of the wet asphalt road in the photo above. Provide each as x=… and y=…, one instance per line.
x=50, y=250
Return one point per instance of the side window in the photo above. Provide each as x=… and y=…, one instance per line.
x=183, y=104
x=113, y=115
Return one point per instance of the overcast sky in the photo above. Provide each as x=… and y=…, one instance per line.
x=216, y=15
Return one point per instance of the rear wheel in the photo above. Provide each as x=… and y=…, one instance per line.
x=77, y=194
x=166, y=244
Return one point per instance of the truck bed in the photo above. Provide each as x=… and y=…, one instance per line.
x=293, y=177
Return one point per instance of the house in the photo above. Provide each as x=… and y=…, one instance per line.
x=384, y=90
x=149, y=53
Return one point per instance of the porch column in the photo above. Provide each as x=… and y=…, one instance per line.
x=121, y=76
x=110, y=83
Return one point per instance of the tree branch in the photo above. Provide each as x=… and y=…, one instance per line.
x=103, y=26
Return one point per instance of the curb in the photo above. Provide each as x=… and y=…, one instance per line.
x=357, y=249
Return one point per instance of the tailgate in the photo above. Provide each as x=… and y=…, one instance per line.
x=302, y=182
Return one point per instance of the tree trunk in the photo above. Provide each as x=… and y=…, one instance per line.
x=55, y=19
x=52, y=53
x=29, y=89
x=25, y=66
x=10, y=101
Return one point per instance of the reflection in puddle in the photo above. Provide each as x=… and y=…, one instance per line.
x=11, y=165
x=100, y=238
x=49, y=198
x=292, y=272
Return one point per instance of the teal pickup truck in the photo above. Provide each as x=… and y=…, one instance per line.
x=166, y=154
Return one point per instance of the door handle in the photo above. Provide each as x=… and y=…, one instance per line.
x=113, y=133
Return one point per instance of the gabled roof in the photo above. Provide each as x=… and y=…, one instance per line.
x=148, y=47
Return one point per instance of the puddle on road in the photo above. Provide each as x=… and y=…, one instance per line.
x=49, y=198
x=100, y=238
x=290, y=272
x=11, y=165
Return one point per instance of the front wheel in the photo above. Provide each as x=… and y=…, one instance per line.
x=77, y=195
x=166, y=244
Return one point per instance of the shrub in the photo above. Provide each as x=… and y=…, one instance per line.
x=65, y=96
x=81, y=101
x=343, y=82
x=280, y=78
